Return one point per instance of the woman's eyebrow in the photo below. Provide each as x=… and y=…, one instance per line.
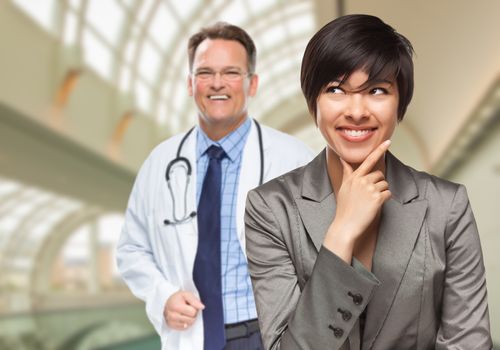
x=379, y=81
x=372, y=83
x=366, y=85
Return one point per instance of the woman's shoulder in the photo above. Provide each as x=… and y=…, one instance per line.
x=437, y=190
x=288, y=183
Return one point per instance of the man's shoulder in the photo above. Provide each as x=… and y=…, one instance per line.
x=277, y=135
x=277, y=138
x=161, y=154
x=167, y=147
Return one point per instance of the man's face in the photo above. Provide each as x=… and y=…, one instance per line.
x=220, y=84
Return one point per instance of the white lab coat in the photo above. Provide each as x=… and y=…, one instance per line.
x=155, y=259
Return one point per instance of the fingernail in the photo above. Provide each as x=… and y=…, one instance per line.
x=387, y=142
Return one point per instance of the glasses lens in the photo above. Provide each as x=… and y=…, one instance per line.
x=231, y=75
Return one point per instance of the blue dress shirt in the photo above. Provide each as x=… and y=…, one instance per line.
x=237, y=294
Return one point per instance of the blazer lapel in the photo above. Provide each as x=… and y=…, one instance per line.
x=401, y=222
x=317, y=202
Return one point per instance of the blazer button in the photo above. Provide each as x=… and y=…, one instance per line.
x=346, y=314
x=356, y=298
x=337, y=332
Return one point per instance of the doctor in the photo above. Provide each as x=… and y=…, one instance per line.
x=182, y=247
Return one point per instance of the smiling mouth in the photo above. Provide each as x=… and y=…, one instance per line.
x=356, y=132
x=218, y=97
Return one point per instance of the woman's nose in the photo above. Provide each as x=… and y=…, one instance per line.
x=356, y=109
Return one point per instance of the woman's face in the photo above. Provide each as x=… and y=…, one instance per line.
x=355, y=121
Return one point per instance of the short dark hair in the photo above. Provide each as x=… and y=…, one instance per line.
x=225, y=31
x=354, y=42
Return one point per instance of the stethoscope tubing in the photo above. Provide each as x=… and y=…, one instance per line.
x=179, y=159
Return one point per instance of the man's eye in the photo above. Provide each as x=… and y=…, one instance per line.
x=204, y=74
x=232, y=75
x=334, y=90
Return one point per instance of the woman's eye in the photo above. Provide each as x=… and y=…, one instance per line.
x=378, y=91
x=334, y=90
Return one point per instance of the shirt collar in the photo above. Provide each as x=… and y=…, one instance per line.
x=232, y=143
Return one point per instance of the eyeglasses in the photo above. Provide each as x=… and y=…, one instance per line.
x=228, y=75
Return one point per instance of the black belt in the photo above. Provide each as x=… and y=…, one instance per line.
x=241, y=329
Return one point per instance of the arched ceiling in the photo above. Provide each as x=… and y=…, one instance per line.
x=27, y=216
x=140, y=47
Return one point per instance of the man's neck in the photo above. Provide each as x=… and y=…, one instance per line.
x=216, y=131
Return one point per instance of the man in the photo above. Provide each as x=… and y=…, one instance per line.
x=182, y=248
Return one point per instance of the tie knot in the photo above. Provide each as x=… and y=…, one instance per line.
x=215, y=152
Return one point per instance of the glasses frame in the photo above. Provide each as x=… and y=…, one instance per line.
x=229, y=75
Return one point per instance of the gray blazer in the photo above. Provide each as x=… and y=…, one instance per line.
x=427, y=287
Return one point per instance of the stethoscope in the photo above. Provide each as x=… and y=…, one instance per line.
x=184, y=162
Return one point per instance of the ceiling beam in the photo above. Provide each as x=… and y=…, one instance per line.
x=35, y=155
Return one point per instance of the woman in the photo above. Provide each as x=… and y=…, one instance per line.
x=357, y=250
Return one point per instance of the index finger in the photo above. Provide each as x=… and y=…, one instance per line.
x=192, y=300
x=373, y=158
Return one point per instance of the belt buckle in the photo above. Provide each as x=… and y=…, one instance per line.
x=241, y=330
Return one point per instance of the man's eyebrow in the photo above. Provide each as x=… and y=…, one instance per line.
x=210, y=68
x=202, y=69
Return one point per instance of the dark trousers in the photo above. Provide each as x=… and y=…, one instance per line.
x=252, y=342
x=243, y=336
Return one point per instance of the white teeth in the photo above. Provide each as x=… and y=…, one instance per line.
x=356, y=133
x=218, y=97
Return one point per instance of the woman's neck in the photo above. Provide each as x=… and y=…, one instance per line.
x=336, y=171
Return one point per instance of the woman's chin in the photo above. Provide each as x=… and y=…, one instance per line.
x=354, y=159
x=352, y=156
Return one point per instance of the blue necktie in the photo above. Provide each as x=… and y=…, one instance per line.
x=207, y=264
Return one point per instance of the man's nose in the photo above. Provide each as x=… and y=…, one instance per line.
x=217, y=81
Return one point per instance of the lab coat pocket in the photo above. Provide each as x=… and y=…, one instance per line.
x=179, y=243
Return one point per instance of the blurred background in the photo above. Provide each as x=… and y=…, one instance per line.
x=89, y=87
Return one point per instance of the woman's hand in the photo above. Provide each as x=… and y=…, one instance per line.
x=360, y=197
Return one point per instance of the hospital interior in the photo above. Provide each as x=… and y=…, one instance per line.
x=89, y=87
